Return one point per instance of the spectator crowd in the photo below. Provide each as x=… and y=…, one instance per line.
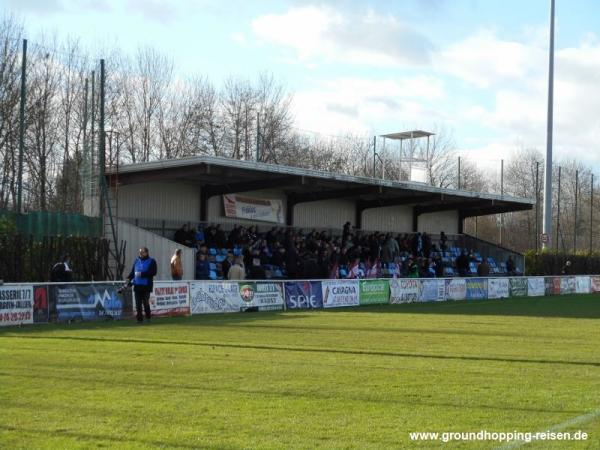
x=244, y=253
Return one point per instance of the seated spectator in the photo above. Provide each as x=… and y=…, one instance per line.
x=202, y=267
x=181, y=235
x=443, y=243
x=510, y=266
x=483, y=269
x=462, y=264
x=237, y=270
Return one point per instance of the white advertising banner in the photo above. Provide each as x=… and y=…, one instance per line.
x=498, y=287
x=265, y=296
x=595, y=284
x=242, y=207
x=535, y=287
x=340, y=293
x=456, y=289
x=214, y=297
x=404, y=290
x=582, y=285
x=170, y=298
x=16, y=305
x=433, y=290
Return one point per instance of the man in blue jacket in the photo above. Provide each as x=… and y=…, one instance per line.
x=141, y=275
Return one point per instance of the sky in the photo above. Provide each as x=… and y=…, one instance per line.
x=474, y=69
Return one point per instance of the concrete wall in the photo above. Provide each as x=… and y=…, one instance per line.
x=160, y=249
x=446, y=221
x=325, y=214
x=174, y=202
x=389, y=218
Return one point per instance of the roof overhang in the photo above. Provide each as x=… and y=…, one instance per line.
x=219, y=176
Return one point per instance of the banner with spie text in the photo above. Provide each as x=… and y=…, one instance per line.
x=170, y=299
x=16, y=305
x=303, y=295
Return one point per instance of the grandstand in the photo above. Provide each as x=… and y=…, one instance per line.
x=149, y=202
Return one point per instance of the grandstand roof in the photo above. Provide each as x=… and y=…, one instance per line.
x=220, y=176
x=415, y=134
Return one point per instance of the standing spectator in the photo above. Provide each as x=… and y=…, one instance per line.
x=226, y=264
x=443, y=242
x=142, y=274
x=310, y=269
x=566, y=270
x=256, y=271
x=291, y=261
x=346, y=233
x=483, y=269
x=237, y=271
x=202, y=267
x=390, y=250
x=426, y=245
x=61, y=271
x=176, y=265
x=462, y=264
x=510, y=265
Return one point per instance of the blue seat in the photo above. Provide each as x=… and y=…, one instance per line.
x=213, y=266
x=343, y=273
x=237, y=251
x=224, y=251
x=212, y=251
x=212, y=275
x=221, y=258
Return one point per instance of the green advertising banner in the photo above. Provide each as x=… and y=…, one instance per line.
x=518, y=287
x=374, y=292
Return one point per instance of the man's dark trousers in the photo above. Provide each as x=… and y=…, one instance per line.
x=142, y=297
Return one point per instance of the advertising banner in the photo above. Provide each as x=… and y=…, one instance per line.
x=582, y=285
x=87, y=302
x=498, y=287
x=340, y=293
x=476, y=288
x=170, y=299
x=40, y=304
x=242, y=207
x=456, y=289
x=404, y=290
x=432, y=290
x=536, y=287
x=518, y=287
x=266, y=296
x=16, y=304
x=595, y=284
x=374, y=292
x=208, y=297
x=567, y=285
x=303, y=295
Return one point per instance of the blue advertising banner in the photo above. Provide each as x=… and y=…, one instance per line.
x=87, y=302
x=476, y=288
x=303, y=295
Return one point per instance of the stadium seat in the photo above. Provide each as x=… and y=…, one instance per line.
x=237, y=251
x=213, y=267
x=212, y=275
x=212, y=251
x=221, y=258
x=224, y=251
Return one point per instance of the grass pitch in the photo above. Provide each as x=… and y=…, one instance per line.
x=353, y=378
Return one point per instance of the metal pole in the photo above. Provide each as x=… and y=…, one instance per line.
x=22, y=129
x=459, y=173
x=93, y=128
x=374, y=154
x=383, y=160
x=547, y=223
x=558, y=212
x=575, y=212
x=501, y=195
x=102, y=137
x=257, y=137
x=591, y=214
x=537, y=205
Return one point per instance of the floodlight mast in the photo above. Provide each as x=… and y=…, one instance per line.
x=547, y=222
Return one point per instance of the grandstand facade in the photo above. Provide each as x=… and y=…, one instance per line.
x=159, y=196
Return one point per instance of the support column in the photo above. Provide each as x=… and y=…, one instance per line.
x=415, y=217
x=204, y=204
x=289, y=210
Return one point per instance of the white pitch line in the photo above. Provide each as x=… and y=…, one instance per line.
x=579, y=420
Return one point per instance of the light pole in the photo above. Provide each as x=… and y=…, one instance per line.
x=547, y=222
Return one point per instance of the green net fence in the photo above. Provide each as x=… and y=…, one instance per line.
x=40, y=223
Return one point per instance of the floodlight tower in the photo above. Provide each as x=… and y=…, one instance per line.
x=547, y=222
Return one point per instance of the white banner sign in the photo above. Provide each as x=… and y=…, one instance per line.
x=582, y=285
x=16, y=305
x=241, y=207
x=404, y=290
x=535, y=287
x=264, y=295
x=214, y=297
x=433, y=291
x=170, y=298
x=339, y=293
x=498, y=287
x=595, y=284
x=456, y=289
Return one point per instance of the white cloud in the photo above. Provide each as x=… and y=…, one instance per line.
x=324, y=34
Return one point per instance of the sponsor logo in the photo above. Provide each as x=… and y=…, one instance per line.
x=247, y=293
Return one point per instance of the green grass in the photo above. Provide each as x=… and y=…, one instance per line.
x=354, y=378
